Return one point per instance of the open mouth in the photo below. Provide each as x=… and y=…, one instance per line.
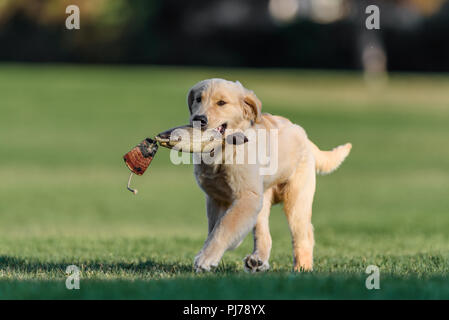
x=222, y=128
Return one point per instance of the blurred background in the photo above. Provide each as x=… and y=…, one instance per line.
x=252, y=33
x=73, y=102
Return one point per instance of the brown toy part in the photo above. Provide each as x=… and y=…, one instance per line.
x=139, y=158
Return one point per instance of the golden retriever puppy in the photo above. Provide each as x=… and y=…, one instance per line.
x=239, y=194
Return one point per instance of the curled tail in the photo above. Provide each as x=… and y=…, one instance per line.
x=328, y=161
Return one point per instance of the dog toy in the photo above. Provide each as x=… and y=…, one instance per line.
x=139, y=158
x=190, y=139
x=185, y=139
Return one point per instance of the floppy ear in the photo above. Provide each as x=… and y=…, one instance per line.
x=190, y=97
x=253, y=106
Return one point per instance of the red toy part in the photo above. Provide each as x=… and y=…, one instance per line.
x=139, y=158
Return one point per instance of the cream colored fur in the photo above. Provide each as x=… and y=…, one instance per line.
x=238, y=198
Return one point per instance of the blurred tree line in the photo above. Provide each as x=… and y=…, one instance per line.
x=219, y=32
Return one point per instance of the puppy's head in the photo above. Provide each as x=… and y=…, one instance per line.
x=221, y=104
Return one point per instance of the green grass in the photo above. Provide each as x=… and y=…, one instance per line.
x=64, y=129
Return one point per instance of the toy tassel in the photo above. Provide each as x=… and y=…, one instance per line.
x=129, y=182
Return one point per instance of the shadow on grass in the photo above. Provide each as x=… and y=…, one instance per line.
x=134, y=269
x=166, y=280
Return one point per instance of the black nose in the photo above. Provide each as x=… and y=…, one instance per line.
x=201, y=118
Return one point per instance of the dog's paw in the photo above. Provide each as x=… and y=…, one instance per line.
x=252, y=263
x=304, y=262
x=203, y=264
x=305, y=265
x=201, y=269
x=303, y=268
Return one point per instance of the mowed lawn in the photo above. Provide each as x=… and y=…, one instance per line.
x=63, y=201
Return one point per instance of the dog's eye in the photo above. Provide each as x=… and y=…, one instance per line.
x=198, y=99
x=221, y=103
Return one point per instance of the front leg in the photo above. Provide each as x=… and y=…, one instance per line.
x=229, y=230
x=258, y=260
x=215, y=210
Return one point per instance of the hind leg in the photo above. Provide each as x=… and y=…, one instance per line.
x=258, y=260
x=298, y=200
